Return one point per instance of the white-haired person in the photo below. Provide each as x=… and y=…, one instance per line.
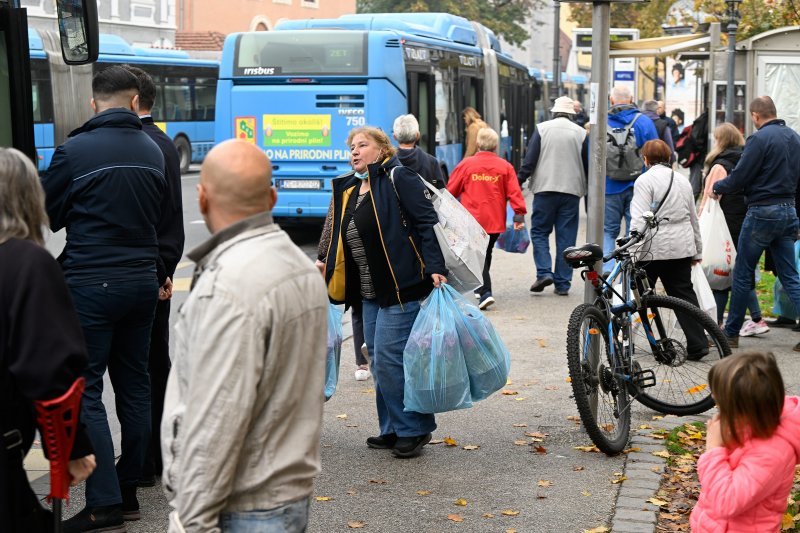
x=619, y=194
x=406, y=132
x=484, y=183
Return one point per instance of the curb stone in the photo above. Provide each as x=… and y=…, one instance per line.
x=632, y=513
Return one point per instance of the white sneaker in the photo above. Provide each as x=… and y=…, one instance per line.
x=750, y=328
x=362, y=374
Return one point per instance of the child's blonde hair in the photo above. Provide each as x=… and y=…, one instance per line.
x=748, y=389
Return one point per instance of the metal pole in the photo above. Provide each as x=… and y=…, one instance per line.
x=598, y=118
x=556, y=50
x=731, y=61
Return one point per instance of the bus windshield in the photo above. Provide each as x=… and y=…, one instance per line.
x=301, y=53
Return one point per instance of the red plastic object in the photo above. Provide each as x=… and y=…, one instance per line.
x=58, y=420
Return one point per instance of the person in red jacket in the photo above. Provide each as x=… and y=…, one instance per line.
x=485, y=182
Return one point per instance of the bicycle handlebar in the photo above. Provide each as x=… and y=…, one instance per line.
x=635, y=238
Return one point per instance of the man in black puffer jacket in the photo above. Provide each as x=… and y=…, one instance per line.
x=105, y=186
x=406, y=133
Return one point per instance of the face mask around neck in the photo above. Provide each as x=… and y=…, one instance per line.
x=362, y=175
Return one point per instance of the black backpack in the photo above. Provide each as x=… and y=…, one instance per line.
x=623, y=158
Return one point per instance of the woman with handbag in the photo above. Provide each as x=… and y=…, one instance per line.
x=384, y=254
x=728, y=147
x=667, y=254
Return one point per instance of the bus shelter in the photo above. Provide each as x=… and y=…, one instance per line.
x=771, y=65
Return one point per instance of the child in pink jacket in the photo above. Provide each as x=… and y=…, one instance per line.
x=752, y=447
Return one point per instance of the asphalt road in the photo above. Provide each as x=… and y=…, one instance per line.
x=560, y=489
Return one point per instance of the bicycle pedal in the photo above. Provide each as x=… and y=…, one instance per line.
x=644, y=378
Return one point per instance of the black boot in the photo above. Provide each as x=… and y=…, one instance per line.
x=130, y=505
x=99, y=519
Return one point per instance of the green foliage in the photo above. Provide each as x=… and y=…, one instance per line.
x=757, y=16
x=507, y=18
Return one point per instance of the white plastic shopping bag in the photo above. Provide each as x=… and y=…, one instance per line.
x=462, y=239
x=719, y=250
x=705, y=298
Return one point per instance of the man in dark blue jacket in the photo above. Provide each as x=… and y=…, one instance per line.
x=767, y=174
x=170, y=249
x=105, y=186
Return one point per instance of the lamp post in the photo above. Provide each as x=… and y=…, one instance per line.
x=556, y=50
x=733, y=25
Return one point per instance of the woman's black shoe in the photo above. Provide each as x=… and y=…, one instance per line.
x=382, y=442
x=407, y=447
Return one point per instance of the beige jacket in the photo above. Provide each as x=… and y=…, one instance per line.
x=243, y=409
x=678, y=237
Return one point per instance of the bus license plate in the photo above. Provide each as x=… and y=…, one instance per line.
x=301, y=184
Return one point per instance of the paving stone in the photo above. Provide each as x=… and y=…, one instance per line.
x=647, y=446
x=648, y=517
x=636, y=492
x=622, y=526
x=648, y=484
x=643, y=457
x=636, y=504
x=642, y=474
x=644, y=466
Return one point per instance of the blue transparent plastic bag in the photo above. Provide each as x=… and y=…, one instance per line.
x=783, y=305
x=487, y=358
x=436, y=378
x=334, y=350
x=513, y=240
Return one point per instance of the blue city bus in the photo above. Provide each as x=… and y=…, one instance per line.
x=297, y=92
x=185, y=94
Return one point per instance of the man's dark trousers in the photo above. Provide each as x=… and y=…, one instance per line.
x=159, y=366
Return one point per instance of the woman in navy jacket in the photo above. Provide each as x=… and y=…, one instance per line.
x=383, y=256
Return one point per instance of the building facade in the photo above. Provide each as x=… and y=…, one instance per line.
x=140, y=22
x=253, y=15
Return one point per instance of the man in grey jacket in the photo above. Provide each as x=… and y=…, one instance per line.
x=557, y=161
x=243, y=410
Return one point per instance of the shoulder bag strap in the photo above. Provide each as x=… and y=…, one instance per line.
x=663, y=198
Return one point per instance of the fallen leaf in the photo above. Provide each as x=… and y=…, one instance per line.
x=577, y=468
x=323, y=498
x=450, y=441
x=368, y=391
x=696, y=436
x=356, y=524
x=662, y=453
x=455, y=518
x=586, y=493
x=787, y=521
x=509, y=392
x=509, y=512
x=658, y=417
x=542, y=343
x=697, y=388
x=632, y=449
x=551, y=387
x=487, y=515
x=600, y=529
x=460, y=502
x=327, y=445
x=568, y=380
x=591, y=448
x=521, y=443
x=645, y=426
x=540, y=495
x=534, y=439
x=519, y=399
x=435, y=441
x=423, y=492
x=378, y=481
x=545, y=483
x=656, y=469
x=574, y=418
x=511, y=531
x=656, y=501
x=343, y=417
x=618, y=480
x=520, y=425
x=508, y=381
x=471, y=447
x=351, y=425
x=538, y=449
x=351, y=493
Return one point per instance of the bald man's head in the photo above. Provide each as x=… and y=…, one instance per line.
x=235, y=183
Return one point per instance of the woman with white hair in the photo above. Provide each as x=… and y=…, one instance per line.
x=42, y=351
x=485, y=182
x=406, y=132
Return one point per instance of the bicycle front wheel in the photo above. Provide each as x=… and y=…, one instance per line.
x=674, y=345
x=597, y=383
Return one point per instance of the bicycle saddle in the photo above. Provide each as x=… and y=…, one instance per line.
x=578, y=256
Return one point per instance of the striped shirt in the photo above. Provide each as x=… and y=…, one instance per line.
x=359, y=254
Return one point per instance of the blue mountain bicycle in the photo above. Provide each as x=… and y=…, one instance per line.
x=632, y=344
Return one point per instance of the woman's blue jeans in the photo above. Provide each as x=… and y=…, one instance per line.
x=386, y=331
x=721, y=298
x=765, y=226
